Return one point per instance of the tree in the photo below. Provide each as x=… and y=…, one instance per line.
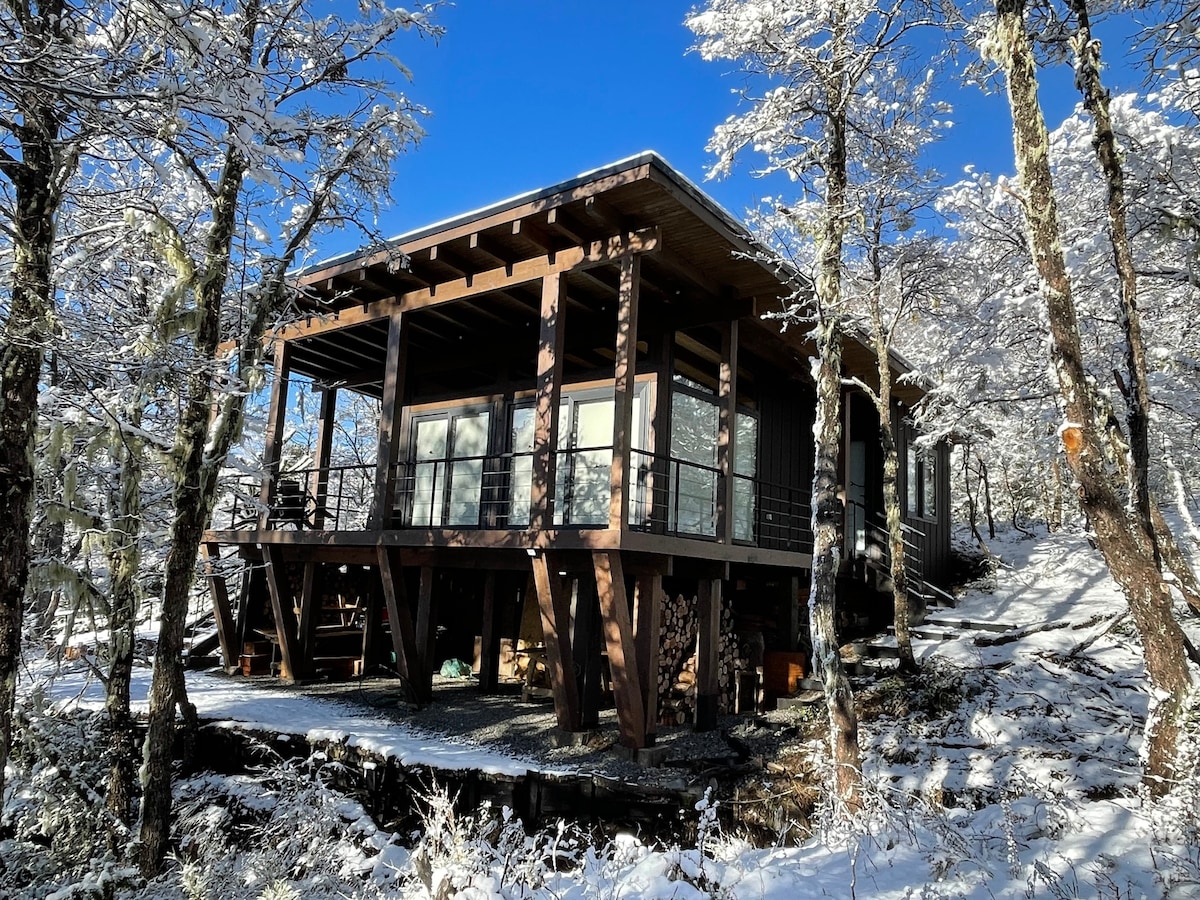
x=820, y=66
x=60, y=58
x=1128, y=549
x=273, y=135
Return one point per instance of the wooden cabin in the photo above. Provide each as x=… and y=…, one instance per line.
x=594, y=462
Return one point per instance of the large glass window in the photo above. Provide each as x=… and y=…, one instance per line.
x=448, y=455
x=583, y=471
x=695, y=430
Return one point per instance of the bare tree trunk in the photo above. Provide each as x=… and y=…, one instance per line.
x=1130, y=555
x=828, y=510
x=901, y=614
x=51, y=536
x=987, y=498
x=828, y=513
x=124, y=556
x=193, y=497
x=1137, y=393
x=37, y=194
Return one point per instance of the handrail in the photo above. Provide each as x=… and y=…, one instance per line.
x=666, y=494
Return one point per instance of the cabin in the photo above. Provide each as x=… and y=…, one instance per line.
x=589, y=469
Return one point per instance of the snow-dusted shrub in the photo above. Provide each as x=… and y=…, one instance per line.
x=276, y=832
x=61, y=833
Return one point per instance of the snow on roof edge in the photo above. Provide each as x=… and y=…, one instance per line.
x=645, y=156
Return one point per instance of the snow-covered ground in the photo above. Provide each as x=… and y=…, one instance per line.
x=1015, y=773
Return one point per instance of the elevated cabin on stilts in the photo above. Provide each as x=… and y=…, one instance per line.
x=593, y=461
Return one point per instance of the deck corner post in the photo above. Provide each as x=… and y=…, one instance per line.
x=727, y=432
x=390, y=415
x=273, y=440
x=708, y=684
x=622, y=656
x=624, y=388
x=550, y=355
x=555, y=612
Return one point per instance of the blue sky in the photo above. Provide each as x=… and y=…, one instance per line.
x=526, y=93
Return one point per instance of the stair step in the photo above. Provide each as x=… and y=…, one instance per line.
x=969, y=625
x=925, y=633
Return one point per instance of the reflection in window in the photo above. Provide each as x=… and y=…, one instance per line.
x=922, y=482
x=448, y=451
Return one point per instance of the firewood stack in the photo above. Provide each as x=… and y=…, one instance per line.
x=677, y=660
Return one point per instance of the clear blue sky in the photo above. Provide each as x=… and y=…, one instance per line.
x=526, y=93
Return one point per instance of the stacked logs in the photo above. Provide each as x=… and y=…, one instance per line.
x=677, y=660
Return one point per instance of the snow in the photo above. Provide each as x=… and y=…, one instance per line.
x=1023, y=783
x=234, y=703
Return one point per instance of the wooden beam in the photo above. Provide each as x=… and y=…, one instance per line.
x=727, y=430
x=400, y=622
x=622, y=657
x=561, y=222
x=426, y=635
x=534, y=233
x=624, y=371
x=389, y=450
x=440, y=253
x=605, y=215
x=549, y=389
x=494, y=249
x=222, y=612
x=282, y=607
x=708, y=650
x=273, y=440
x=555, y=614
x=489, y=639
x=609, y=250
x=647, y=640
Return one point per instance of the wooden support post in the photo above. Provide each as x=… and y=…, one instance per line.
x=310, y=617
x=727, y=430
x=624, y=386
x=555, y=614
x=404, y=643
x=390, y=414
x=618, y=637
x=273, y=440
x=489, y=639
x=242, y=622
x=647, y=639
x=426, y=636
x=585, y=647
x=549, y=388
x=282, y=604
x=372, y=623
x=708, y=662
x=222, y=613
x=659, y=488
x=323, y=453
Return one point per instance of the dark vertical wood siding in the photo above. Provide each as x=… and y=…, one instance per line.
x=785, y=442
x=937, y=529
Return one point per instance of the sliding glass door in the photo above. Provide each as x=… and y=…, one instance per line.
x=448, y=452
